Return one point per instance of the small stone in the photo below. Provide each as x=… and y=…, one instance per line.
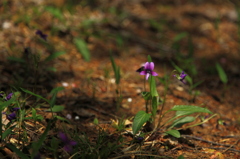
x=6, y=25
x=129, y=100
x=77, y=118
x=65, y=84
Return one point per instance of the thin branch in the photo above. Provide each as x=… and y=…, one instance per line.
x=210, y=142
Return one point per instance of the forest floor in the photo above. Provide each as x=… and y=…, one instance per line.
x=194, y=35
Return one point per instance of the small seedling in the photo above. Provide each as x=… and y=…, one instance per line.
x=117, y=74
x=223, y=77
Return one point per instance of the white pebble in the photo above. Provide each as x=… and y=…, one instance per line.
x=76, y=118
x=129, y=100
x=6, y=25
x=65, y=84
x=112, y=80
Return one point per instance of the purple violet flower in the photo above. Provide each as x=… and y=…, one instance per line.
x=67, y=142
x=8, y=97
x=11, y=116
x=181, y=77
x=139, y=139
x=42, y=35
x=148, y=70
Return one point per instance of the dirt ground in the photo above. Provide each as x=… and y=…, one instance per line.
x=131, y=30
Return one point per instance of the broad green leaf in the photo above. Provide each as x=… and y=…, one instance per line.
x=181, y=113
x=181, y=121
x=36, y=95
x=17, y=151
x=54, y=55
x=146, y=95
x=174, y=133
x=221, y=73
x=190, y=108
x=82, y=48
x=140, y=118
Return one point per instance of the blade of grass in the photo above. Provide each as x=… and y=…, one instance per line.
x=54, y=55
x=82, y=48
x=17, y=151
x=36, y=95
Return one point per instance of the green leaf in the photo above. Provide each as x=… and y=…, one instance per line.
x=221, y=73
x=174, y=133
x=149, y=58
x=95, y=121
x=54, y=11
x=146, y=95
x=54, y=55
x=61, y=118
x=15, y=59
x=57, y=108
x=190, y=108
x=181, y=157
x=53, y=99
x=82, y=48
x=36, y=95
x=140, y=118
x=115, y=69
x=196, y=84
x=51, y=69
x=180, y=36
x=154, y=106
x=56, y=90
x=181, y=121
x=6, y=133
x=17, y=151
x=34, y=114
x=153, y=89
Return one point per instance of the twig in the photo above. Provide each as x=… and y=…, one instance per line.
x=221, y=148
x=231, y=146
x=211, y=142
